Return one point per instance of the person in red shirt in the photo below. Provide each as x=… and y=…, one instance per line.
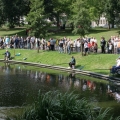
x=89, y=47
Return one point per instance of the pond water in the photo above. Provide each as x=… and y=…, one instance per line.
x=19, y=86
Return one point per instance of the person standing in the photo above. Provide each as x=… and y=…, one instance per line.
x=69, y=46
x=102, y=44
x=86, y=47
x=7, y=41
x=61, y=46
x=52, y=44
x=78, y=45
x=118, y=47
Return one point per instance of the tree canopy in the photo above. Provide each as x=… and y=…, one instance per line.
x=12, y=10
x=81, y=18
x=37, y=19
x=79, y=13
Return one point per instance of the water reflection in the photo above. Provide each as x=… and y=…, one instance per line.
x=114, y=92
x=19, y=86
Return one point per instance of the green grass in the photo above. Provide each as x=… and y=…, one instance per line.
x=95, y=32
x=99, y=63
x=11, y=32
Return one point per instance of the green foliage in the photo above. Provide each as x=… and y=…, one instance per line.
x=81, y=19
x=112, y=10
x=1, y=13
x=12, y=10
x=48, y=7
x=96, y=8
x=90, y=9
x=59, y=7
x=37, y=19
x=59, y=106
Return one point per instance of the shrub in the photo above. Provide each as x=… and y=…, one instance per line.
x=59, y=106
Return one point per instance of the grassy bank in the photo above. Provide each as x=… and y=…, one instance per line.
x=14, y=31
x=99, y=63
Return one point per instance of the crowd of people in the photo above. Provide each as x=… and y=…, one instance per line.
x=63, y=45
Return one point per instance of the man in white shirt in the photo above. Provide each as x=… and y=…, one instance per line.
x=115, y=68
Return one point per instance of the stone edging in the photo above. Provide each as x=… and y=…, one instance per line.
x=76, y=71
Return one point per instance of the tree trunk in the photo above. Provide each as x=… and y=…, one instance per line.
x=57, y=18
x=63, y=27
x=38, y=49
x=109, y=25
x=112, y=23
x=72, y=27
x=11, y=24
x=97, y=22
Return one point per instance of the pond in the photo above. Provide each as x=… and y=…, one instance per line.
x=19, y=86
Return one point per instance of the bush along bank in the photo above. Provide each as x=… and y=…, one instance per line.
x=63, y=106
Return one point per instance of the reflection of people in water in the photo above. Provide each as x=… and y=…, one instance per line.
x=47, y=78
x=84, y=87
x=7, y=67
x=117, y=96
x=72, y=79
x=60, y=77
x=91, y=85
x=72, y=76
x=113, y=93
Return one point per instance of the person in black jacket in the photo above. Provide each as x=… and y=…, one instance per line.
x=102, y=44
x=72, y=62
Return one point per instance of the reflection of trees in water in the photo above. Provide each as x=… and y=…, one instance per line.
x=30, y=81
x=69, y=81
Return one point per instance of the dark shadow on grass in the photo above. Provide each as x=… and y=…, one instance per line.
x=98, y=30
x=101, y=69
x=93, y=54
x=68, y=31
x=80, y=67
x=12, y=29
x=104, y=73
x=19, y=33
x=73, y=53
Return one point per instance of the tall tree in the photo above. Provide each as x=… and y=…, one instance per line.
x=81, y=19
x=2, y=16
x=96, y=9
x=111, y=9
x=12, y=10
x=37, y=19
x=61, y=6
x=48, y=7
